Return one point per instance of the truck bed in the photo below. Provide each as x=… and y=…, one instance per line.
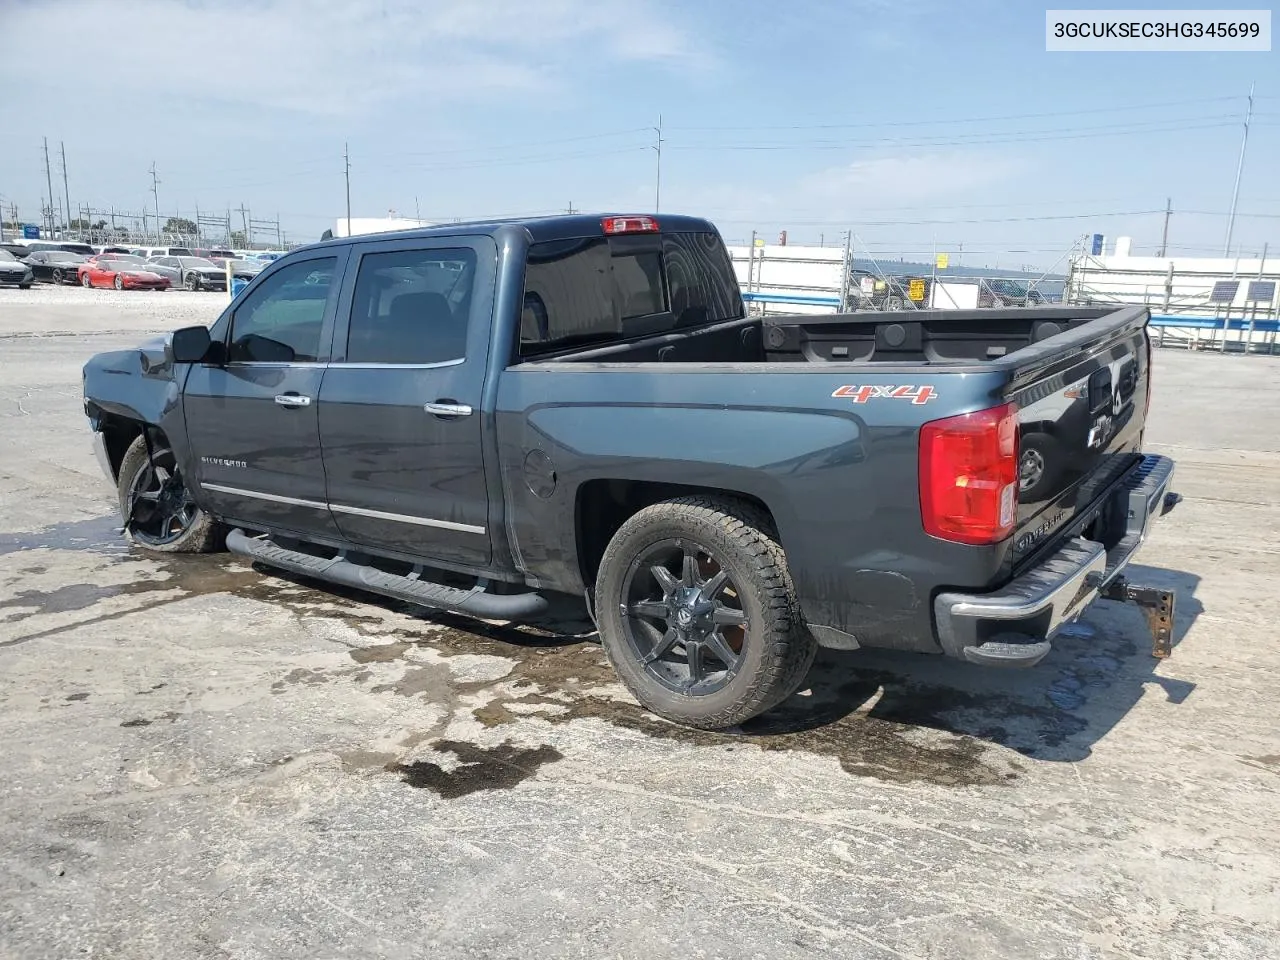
x=918, y=337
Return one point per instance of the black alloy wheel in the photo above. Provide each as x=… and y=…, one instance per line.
x=682, y=617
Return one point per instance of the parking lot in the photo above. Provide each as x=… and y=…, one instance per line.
x=204, y=760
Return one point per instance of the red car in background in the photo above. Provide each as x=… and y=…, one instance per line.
x=123, y=274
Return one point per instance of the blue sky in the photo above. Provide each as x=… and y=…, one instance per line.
x=913, y=122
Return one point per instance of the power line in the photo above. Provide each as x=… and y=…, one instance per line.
x=905, y=223
x=1010, y=116
x=964, y=140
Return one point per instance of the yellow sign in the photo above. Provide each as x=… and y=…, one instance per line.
x=943, y=261
x=915, y=290
x=759, y=241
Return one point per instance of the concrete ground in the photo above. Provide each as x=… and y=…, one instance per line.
x=202, y=760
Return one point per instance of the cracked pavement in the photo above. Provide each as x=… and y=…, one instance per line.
x=204, y=760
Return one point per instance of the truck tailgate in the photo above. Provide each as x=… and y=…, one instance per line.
x=1082, y=406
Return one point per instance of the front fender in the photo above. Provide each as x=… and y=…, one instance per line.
x=139, y=385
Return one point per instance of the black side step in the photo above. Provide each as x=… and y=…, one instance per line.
x=475, y=602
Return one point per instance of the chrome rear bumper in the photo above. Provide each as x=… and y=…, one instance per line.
x=1014, y=626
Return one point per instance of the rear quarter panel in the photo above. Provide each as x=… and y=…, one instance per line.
x=839, y=476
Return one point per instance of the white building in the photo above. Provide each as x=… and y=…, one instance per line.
x=362, y=225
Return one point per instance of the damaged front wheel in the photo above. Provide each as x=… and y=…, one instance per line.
x=156, y=506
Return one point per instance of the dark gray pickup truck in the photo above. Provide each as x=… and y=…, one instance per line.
x=483, y=417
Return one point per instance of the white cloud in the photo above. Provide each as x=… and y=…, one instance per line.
x=883, y=181
x=329, y=57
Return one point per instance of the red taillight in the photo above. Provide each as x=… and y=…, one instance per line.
x=969, y=475
x=612, y=225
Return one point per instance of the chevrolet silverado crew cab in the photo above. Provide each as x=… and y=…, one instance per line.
x=485, y=417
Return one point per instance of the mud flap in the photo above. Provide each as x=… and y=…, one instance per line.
x=1157, y=606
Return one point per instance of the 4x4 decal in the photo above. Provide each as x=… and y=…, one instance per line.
x=917, y=395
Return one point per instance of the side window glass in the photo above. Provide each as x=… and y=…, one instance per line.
x=411, y=307
x=280, y=321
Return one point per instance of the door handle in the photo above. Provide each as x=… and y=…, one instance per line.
x=292, y=400
x=444, y=408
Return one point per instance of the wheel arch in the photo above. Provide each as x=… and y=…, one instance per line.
x=603, y=505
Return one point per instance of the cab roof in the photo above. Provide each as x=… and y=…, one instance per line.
x=563, y=227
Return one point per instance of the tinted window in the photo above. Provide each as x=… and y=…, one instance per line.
x=411, y=306
x=700, y=279
x=591, y=290
x=280, y=321
x=193, y=262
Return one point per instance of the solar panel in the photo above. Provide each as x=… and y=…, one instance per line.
x=1224, y=291
x=1261, y=290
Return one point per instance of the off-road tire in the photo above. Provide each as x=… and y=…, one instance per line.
x=778, y=650
x=203, y=535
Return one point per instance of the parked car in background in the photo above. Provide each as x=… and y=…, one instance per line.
x=121, y=275
x=215, y=254
x=113, y=249
x=14, y=271
x=149, y=252
x=195, y=273
x=1003, y=292
x=96, y=258
x=19, y=250
x=38, y=246
x=55, y=266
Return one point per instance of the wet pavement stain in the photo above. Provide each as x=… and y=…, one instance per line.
x=99, y=534
x=479, y=768
x=76, y=697
x=878, y=723
x=168, y=717
x=69, y=597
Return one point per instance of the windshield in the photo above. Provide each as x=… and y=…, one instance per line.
x=6, y=256
x=59, y=256
x=197, y=262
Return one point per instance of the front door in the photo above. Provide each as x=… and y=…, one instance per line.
x=400, y=419
x=252, y=421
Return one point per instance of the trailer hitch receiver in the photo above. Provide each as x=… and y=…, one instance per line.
x=1156, y=605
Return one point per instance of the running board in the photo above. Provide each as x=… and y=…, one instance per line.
x=475, y=602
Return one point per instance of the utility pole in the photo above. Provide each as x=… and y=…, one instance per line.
x=346, y=162
x=48, y=179
x=657, y=184
x=1164, y=237
x=279, y=235
x=66, y=193
x=1235, y=193
x=417, y=214
x=570, y=210
x=155, y=193
x=244, y=224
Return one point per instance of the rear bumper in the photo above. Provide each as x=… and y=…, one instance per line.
x=1014, y=626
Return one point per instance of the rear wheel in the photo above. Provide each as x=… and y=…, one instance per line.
x=85, y=281
x=59, y=277
x=698, y=614
x=158, y=511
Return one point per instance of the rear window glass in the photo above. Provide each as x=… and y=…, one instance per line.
x=593, y=290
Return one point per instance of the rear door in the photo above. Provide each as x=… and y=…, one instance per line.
x=400, y=408
x=252, y=422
